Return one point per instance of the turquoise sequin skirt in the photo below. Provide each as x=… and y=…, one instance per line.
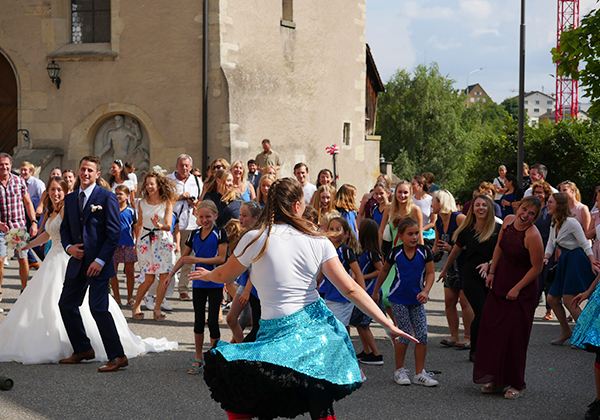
x=586, y=333
x=297, y=362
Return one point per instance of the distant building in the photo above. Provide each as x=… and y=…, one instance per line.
x=475, y=93
x=537, y=104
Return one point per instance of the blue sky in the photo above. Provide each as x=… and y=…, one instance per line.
x=464, y=35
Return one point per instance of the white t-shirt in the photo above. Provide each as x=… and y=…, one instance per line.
x=498, y=183
x=425, y=206
x=309, y=191
x=133, y=178
x=285, y=276
x=528, y=192
x=128, y=183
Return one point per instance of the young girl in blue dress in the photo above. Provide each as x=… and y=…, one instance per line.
x=381, y=194
x=208, y=244
x=370, y=265
x=408, y=294
x=345, y=244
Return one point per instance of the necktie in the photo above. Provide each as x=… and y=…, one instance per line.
x=81, y=200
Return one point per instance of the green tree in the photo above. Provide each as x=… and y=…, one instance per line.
x=424, y=124
x=511, y=105
x=579, y=45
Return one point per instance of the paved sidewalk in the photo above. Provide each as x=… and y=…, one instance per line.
x=560, y=381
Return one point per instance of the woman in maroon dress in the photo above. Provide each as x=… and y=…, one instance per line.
x=510, y=304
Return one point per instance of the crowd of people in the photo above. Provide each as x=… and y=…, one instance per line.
x=308, y=262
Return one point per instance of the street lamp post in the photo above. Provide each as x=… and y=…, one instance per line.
x=467, y=89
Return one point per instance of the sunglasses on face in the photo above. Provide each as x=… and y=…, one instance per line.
x=217, y=167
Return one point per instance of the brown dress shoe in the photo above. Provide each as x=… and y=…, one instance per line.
x=114, y=364
x=78, y=357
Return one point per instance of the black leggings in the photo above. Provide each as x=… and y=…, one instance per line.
x=476, y=293
x=214, y=296
x=255, y=306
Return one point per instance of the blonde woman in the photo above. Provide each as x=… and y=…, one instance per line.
x=479, y=234
x=580, y=211
x=263, y=188
x=322, y=201
x=222, y=193
x=240, y=182
x=402, y=206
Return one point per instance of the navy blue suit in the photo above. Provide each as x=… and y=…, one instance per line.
x=99, y=231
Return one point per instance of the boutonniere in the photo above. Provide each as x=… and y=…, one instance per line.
x=95, y=208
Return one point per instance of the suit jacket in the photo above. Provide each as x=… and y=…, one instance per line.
x=98, y=230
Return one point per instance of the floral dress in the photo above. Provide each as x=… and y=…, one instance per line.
x=154, y=247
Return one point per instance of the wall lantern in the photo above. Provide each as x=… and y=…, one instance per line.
x=53, y=70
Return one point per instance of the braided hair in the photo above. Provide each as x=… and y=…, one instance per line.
x=283, y=194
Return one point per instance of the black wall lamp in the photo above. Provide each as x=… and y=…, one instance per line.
x=53, y=70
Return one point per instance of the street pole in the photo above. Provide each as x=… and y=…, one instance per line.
x=521, y=96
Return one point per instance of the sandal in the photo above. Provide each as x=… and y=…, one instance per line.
x=139, y=316
x=448, y=342
x=513, y=394
x=130, y=302
x=492, y=388
x=193, y=369
x=462, y=345
x=548, y=316
x=159, y=317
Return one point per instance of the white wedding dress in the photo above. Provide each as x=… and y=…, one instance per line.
x=33, y=331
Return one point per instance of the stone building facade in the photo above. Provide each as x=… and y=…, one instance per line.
x=131, y=87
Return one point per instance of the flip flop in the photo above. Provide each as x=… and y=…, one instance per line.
x=448, y=342
x=462, y=345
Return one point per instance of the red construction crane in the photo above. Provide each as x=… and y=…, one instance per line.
x=566, y=89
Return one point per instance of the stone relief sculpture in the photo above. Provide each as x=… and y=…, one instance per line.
x=122, y=138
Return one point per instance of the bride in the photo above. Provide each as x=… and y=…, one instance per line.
x=33, y=330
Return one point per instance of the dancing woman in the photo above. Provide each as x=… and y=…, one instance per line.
x=302, y=360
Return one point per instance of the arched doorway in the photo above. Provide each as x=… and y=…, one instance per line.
x=8, y=107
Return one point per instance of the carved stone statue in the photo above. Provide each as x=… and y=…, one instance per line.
x=122, y=138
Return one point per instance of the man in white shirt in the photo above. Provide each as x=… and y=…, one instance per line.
x=538, y=173
x=189, y=189
x=301, y=173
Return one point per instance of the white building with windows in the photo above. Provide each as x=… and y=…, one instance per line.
x=537, y=104
x=295, y=72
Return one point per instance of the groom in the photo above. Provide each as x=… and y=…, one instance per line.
x=90, y=233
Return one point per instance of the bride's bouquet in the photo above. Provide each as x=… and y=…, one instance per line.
x=17, y=238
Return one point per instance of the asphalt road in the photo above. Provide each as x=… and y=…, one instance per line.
x=560, y=381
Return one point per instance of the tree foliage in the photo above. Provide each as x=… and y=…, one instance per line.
x=426, y=126
x=570, y=150
x=579, y=45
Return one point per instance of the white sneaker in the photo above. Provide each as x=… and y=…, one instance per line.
x=6, y=263
x=149, y=302
x=165, y=305
x=425, y=379
x=401, y=376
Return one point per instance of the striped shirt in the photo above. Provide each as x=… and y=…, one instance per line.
x=12, y=209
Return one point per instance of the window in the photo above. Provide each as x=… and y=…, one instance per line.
x=548, y=102
x=346, y=134
x=90, y=21
x=536, y=110
x=484, y=100
x=287, y=15
x=477, y=93
x=472, y=99
x=537, y=102
x=548, y=110
x=526, y=102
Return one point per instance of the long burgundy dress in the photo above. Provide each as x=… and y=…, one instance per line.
x=506, y=324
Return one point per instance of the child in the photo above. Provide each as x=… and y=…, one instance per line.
x=125, y=252
x=345, y=243
x=246, y=293
x=345, y=203
x=155, y=241
x=409, y=291
x=322, y=201
x=310, y=214
x=381, y=194
x=209, y=247
x=263, y=188
x=370, y=265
